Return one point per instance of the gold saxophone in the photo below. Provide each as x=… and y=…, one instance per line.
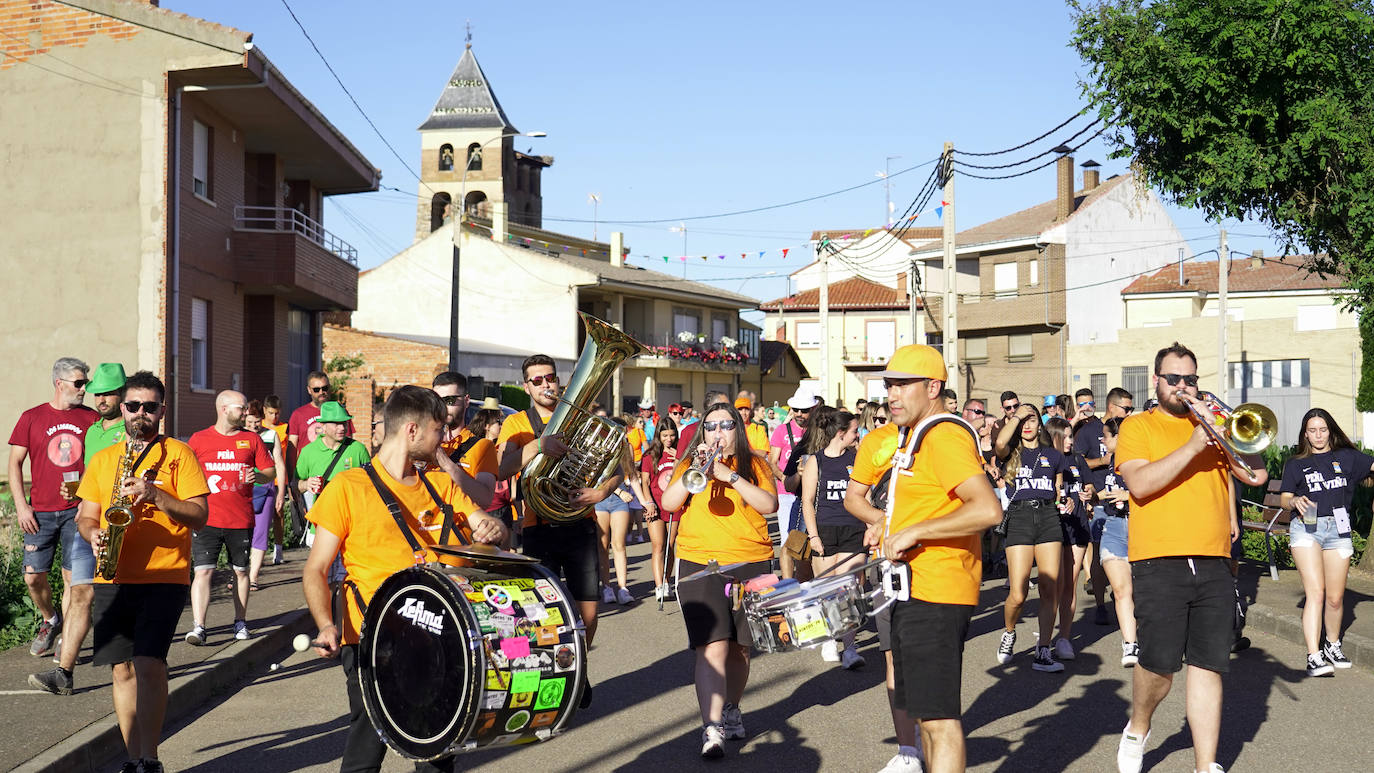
x=594, y=442
x=118, y=516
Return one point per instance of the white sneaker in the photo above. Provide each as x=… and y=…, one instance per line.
x=1130, y=752
x=830, y=652
x=732, y=723
x=1130, y=653
x=903, y=764
x=1062, y=649
x=276, y=555
x=196, y=636
x=607, y=595
x=713, y=741
x=1215, y=767
x=1006, y=647
x=851, y=658
x=240, y=630
x=623, y=596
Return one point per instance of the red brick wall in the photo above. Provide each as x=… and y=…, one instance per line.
x=358, y=397
x=387, y=361
x=34, y=27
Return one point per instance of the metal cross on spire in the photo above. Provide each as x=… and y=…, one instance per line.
x=468, y=40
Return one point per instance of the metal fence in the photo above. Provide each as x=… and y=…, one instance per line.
x=284, y=219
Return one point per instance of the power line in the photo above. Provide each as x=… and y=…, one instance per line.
x=1037, y=168
x=1068, y=121
x=1037, y=155
x=349, y=94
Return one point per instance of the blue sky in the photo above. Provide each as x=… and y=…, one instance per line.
x=683, y=110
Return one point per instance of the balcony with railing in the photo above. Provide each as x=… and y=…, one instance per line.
x=282, y=251
x=677, y=351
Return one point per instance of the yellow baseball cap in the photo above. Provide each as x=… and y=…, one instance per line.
x=916, y=361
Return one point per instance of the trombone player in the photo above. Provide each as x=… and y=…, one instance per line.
x=1180, y=532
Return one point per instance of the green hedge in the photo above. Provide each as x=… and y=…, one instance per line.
x=18, y=615
x=515, y=397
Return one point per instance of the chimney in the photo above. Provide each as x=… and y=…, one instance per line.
x=617, y=249
x=1091, y=178
x=901, y=283
x=1064, y=185
x=1257, y=259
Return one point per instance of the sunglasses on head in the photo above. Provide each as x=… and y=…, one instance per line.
x=319, y=389
x=79, y=383
x=135, y=407
x=725, y=424
x=453, y=399
x=1173, y=378
x=540, y=380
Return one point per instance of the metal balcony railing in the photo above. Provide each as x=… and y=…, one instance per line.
x=282, y=219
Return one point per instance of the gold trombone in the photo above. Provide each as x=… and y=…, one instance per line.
x=1242, y=431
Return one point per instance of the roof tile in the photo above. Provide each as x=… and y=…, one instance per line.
x=854, y=293
x=1286, y=273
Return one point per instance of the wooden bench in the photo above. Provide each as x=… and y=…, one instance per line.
x=1272, y=520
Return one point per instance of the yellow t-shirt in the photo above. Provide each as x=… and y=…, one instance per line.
x=718, y=524
x=373, y=547
x=156, y=548
x=875, y=454
x=758, y=437
x=946, y=571
x=1192, y=515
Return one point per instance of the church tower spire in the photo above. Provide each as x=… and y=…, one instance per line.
x=468, y=129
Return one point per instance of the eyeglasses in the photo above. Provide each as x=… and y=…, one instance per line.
x=1088, y=404
x=977, y=411
x=136, y=407
x=453, y=399
x=318, y=389
x=552, y=379
x=79, y=383
x=725, y=424
x=1011, y=407
x=1174, y=378
x=892, y=383
x=879, y=419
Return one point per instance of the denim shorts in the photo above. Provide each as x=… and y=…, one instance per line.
x=40, y=548
x=612, y=504
x=1112, y=543
x=1322, y=533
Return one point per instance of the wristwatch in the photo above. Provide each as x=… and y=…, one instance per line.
x=734, y=478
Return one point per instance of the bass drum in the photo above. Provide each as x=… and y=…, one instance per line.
x=458, y=658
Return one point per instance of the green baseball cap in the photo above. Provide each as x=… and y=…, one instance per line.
x=107, y=377
x=333, y=412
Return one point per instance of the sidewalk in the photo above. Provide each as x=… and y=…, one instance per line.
x=76, y=733
x=1276, y=608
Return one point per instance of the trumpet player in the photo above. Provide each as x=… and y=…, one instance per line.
x=1179, y=544
x=723, y=522
x=135, y=614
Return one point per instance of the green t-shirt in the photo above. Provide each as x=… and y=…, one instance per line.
x=314, y=459
x=98, y=438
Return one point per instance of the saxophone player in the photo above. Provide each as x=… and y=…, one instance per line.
x=135, y=614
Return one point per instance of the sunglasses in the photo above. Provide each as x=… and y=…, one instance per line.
x=1011, y=407
x=317, y=390
x=725, y=424
x=1088, y=404
x=79, y=383
x=879, y=419
x=674, y=413
x=540, y=380
x=1126, y=408
x=136, y=407
x=977, y=411
x=453, y=399
x=1174, y=378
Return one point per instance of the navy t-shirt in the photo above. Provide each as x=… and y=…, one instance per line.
x=832, y=481
x=1088, y=440
x=1327, y=479
x=1108, y=479
x=1034, y=474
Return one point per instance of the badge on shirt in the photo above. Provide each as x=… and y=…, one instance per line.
x=1044, y=462
x=241, y=444
x=1335, y=466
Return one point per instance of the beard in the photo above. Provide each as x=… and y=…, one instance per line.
x=1171, y=401
x=141, y=426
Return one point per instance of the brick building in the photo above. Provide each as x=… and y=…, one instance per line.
x=172, y=182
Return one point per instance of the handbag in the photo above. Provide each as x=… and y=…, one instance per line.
x=798, y=545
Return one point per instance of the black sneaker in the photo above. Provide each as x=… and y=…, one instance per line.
x=54, y=681
x=1333, y=652
x=1317, y=665
x=129, y=767
x=1044, y=661
x=44, y=642
x=1006, y=646
x=146, y=765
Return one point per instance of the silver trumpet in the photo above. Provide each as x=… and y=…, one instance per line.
x=698, y=477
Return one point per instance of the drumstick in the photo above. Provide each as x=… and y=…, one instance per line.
x=301, y=643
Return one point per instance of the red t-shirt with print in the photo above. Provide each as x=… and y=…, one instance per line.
x=228, y=462
x=54, y=440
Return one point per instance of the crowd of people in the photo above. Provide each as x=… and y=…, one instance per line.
x=1142, y=502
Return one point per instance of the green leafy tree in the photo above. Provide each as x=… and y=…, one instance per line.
x=1260, y=109
x=340, y=367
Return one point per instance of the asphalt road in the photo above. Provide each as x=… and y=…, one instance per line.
x=804, y=715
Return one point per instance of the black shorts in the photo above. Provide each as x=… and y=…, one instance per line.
x=707, y=610
x=841, y=539
x=1076, y=531
x=130, y=621
x=884, y=622
x=1033, y=522
x=1184, y=607
x=928, y=657
x=569, y=551
x=205, y=547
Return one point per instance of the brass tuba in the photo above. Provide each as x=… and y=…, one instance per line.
x=594, y=443
x=1247, y=429
x=118, y=517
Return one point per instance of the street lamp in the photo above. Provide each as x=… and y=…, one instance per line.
x=457, y=241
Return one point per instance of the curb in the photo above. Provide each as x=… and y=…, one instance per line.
x=96, y=744
x=1360, y=649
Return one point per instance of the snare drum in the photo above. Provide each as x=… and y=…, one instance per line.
x=808, y=614
x=452, y=659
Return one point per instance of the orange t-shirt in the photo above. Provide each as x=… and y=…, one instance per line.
x=635, y=437
x=875, y=455
x=1190, y=517
x=480, y=457
x=947, y=571
x=718, y=524
x=373, y=548
x=156, y=548
x=280, y=429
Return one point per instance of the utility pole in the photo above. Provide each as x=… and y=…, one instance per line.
x=1223, y=268
x=913, y=280
x=823, y=252
x=949, y=326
